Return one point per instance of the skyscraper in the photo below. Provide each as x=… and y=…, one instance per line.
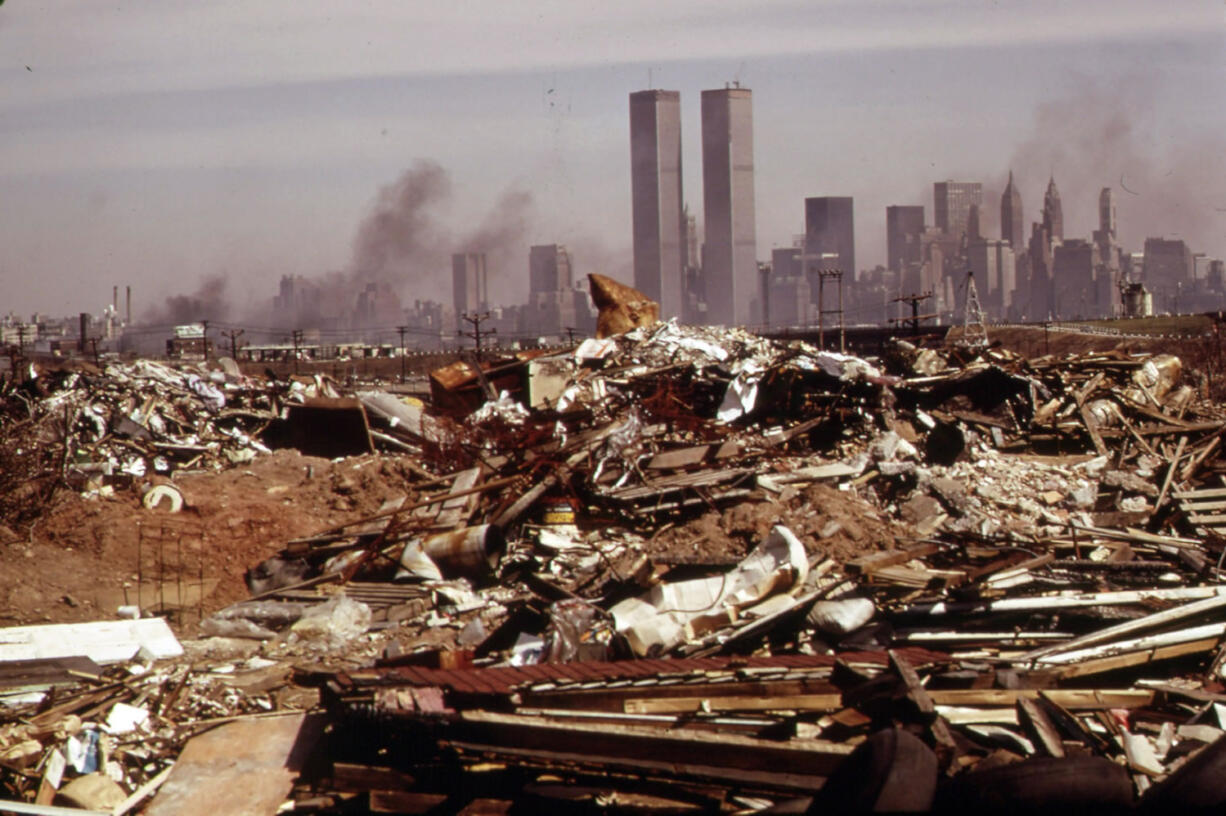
x=1011, y=224
x=655, y=187
x=952, y=205
x=830, y=230
x=468, y=283
x=1106, y=212
x=904, y=227
x=551, y=306
x=1053, y=213
x=730, y=266
x=548, y=268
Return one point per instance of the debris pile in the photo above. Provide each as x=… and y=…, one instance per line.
x=692, y=569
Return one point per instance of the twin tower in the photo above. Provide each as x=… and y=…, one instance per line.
x=728, y=281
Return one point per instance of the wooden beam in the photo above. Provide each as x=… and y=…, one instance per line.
x=1122, y=661
x=1039, y=728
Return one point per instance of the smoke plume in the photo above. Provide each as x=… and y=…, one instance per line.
x=208, y=302
x=401, y=241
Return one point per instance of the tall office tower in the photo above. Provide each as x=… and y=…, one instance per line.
x=788, y=294
x=995, y=266
x=1039, y=253
x=655, y=188
x=1074, y=265
x=1168, y=264
x=1108, y=250
x=1053, y=213
x=904, y=229
x=973, y=230
x=730, y=266
x=1011, y=217
x=1106, y=212
x=551, y=305
x=548, y=268
x=953, y=200
x=830, y=241
x=468, y=283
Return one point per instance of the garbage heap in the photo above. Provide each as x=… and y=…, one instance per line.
x=684, y=569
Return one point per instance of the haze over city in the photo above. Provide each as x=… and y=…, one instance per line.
x=180, y=148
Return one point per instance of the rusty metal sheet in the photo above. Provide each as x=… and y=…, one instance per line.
x=243, y=768
x=504, y=679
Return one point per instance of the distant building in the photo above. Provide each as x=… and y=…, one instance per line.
x=904, y=230
x=952, y=201
x=469, y=285
x=1039, y=268
x=1106, y=212
x=830, y=238
x=1053, y=213
x=1011, y=223
x=377, y=304
x=548, y=268
x=788, y=293
x=551, y=308
x=730, y=267
x=993, y=263
x=1074, y=266
x=1168, y=271
x=659, y=221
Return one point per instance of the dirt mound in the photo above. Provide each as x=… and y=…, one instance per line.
x=85, y=557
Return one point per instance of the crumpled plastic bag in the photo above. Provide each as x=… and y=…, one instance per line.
x=331, y=625
x=577, y=631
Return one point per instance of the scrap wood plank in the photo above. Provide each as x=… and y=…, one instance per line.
x=1039, y=728
x=923, y=701
x=1002, y=698
x=1207, y=493
x=682, y=457
x=1106, y=664
x=1091, y=425
x=245, y=768
x=1071, y=723
x=683, y=705
x=867, y=564
x=1170, y=471
x=717, y=756
x=1130, y=627
x=1068, y=698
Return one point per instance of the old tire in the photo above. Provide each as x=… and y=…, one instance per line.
x=892, y=771
x=1088, y=784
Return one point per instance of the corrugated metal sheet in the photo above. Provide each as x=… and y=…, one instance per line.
x=505, y=679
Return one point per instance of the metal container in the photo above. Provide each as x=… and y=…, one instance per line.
x=469, y=552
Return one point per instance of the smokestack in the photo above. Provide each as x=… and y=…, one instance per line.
x=115, y=299
x=84, y=331
x=129, y=310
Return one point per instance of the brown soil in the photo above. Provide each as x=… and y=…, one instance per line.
x=85, y=557
x=851, y=525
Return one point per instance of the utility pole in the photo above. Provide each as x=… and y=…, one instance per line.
x=205, y=333
x=297, y=343
x=234, y=334
x=476, y=334
x=837, y=276
x=402, y=330
x=22, y=328
x=914, y=320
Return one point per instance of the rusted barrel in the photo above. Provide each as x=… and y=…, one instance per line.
x=469, y=552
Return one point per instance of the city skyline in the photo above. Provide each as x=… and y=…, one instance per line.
x=139, y=154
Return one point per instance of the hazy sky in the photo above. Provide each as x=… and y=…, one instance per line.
x=160, y=143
